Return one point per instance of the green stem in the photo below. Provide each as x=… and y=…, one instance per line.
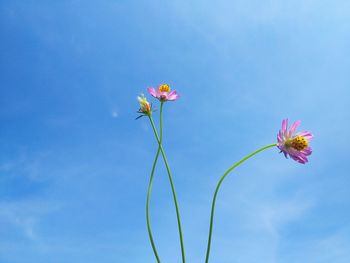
x=217, y=189
x=150, y=189
x=173, y=190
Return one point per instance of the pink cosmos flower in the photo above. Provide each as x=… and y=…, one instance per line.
x=296, y=145
x=163, y=93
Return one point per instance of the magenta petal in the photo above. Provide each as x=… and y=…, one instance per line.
x=284, y=125
x=307, y=151
x=301, y=161
x=301, y=157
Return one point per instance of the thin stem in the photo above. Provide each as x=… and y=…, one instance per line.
x=173, y=191
x=150, y=189
x=217, y=189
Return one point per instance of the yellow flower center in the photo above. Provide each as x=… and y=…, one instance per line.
x=299, y=143
x=164, y=88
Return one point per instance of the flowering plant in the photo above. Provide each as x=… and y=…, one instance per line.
x=289, y=142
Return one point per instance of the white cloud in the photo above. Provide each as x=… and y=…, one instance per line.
x=23, y=216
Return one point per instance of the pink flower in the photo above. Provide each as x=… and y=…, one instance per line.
x=163, y=93
x=296, y=145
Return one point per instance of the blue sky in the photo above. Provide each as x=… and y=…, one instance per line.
x=74, y=164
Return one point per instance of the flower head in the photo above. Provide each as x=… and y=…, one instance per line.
x=145, y=106
x=163, y=93
x=296, y=145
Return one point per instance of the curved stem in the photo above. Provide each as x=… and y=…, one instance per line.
x=217, y=189
x=150, y=189
x=173, y=190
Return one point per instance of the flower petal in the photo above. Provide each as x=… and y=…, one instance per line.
x=308, y=135
x=300, y=158
x=152, y=91
x=173, y=95
x=279, y=138
x=284, y=125
x=294, y=126
x=307, y=151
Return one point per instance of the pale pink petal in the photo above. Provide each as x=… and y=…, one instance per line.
x=279, y=138
x=280, y=134
x=173, y=95
x=162, y=93
x=152, y=91
x=294, y=126
x=308, y=135
x=284, y=135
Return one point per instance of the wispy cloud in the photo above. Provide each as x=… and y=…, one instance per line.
x=23, y=216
